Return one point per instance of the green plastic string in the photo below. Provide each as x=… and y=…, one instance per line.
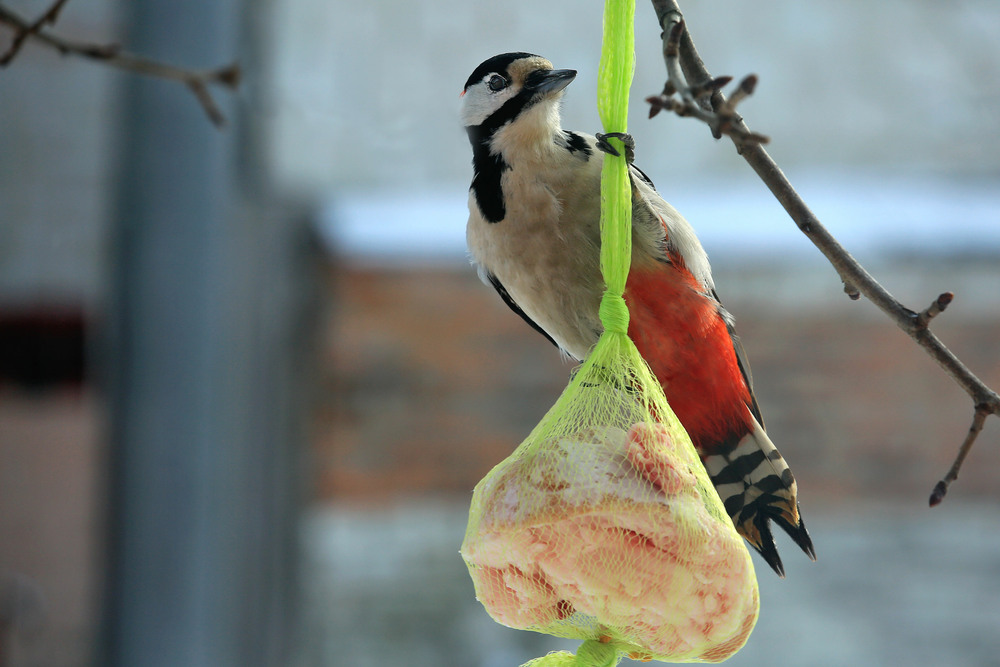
x=613, y=83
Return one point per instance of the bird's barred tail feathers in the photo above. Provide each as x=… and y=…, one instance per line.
x=756, y=486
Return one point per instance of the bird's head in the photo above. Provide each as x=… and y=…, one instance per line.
x=513, y=87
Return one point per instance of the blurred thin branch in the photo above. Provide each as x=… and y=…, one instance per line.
x=700, y=95
x=197, y=81
x=690, y=99
x=26, y=31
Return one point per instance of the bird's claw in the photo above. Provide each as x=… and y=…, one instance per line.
x=604, y=145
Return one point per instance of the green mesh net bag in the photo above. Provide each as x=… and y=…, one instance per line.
x=603, y=524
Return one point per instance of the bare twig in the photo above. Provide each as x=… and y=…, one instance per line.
x=856, y=279
x=692, y=100
x=936, y=308
x=50, y=17
x=197, y=81
x=978, y=420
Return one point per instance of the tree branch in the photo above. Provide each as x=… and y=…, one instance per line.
x=682, y=59
x=696, y=100
x=50, y=16
x=197, y=81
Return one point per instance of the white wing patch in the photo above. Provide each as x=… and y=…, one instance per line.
x=680, y=234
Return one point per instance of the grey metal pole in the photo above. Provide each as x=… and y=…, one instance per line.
x=201, y=376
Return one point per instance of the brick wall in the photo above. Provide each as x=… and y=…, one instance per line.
x=429, y=380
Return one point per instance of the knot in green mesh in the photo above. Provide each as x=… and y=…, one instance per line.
x=614, y=313
x=594, y=653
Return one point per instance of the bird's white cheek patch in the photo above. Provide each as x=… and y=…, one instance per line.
x=474, y=110
x=478, y=104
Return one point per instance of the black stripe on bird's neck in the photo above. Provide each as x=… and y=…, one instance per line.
x=488, y=167
x=487, y=170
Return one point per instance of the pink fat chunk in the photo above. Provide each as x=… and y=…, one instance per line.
x=606, y=533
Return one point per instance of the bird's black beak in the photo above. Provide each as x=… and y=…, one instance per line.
x=549, y=81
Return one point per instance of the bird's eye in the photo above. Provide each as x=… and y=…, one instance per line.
x=497, y=83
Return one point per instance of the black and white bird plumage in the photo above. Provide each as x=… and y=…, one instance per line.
x=533, y=233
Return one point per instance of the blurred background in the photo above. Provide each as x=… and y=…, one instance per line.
x=248, y=378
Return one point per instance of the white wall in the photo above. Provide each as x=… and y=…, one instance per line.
x=57, y=116
x=366, y=94
x=363, y=96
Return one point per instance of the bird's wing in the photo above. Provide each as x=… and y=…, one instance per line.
x=665, y=230
x=741, y=358
x=509, y=300
x=679, y=240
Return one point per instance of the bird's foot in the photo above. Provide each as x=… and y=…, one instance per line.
x=604, y=145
